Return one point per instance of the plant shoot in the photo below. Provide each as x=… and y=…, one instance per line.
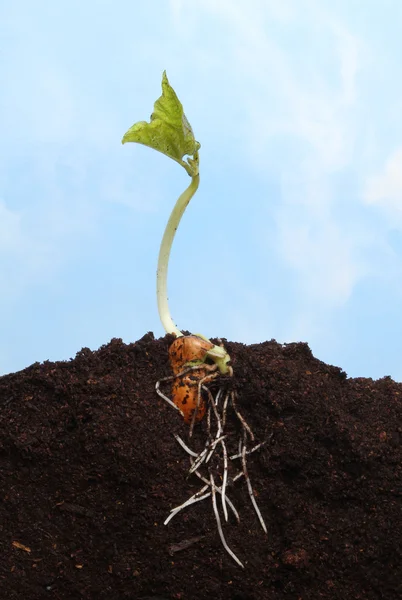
x=170, y=133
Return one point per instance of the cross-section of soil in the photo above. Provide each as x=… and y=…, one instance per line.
x=90, y=469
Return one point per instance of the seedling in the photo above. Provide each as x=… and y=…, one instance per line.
x=170, y=132
x=195, y=360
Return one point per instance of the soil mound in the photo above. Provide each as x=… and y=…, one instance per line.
x=89, y=470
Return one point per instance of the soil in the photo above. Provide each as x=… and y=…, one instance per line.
x=89, y=470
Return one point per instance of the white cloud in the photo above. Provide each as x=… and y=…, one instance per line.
x=348, y=51
x=295, y=72
x=384, y=189
x=59, y=160
x=23, y=255
x=281, y=95
x=11, y=237
x=325, y=254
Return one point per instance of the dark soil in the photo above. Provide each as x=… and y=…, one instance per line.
x=89, y=470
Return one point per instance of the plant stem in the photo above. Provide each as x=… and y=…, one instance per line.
x=164, y=253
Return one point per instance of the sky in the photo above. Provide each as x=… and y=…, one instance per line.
x=295, y=233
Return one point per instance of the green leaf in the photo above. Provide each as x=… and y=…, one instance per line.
x=168, y=131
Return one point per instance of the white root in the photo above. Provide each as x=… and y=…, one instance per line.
x=224, y=480
x=185, y=447
x=217, y=397
x=238, y=476
x=200, y=495
x=206, y=454
x=216, y=436
x=218, y=522
x=249, y=486
x=198, y=462
x=213, y=446
x=219, y=490
x=257, y=447
x=162, y=395
x=225, y=406
x=240, y=417
x=201, y=383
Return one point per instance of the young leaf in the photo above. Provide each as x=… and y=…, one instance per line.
x=168, y=131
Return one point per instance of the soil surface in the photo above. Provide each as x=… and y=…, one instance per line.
x=90, y=469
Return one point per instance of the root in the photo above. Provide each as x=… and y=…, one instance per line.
x=219, y=524
x=201, y=383
x=215, y=457
x=249, y=486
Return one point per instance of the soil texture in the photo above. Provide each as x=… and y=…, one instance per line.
x=90, y=469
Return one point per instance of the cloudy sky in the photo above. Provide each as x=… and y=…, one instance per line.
x=296, y=230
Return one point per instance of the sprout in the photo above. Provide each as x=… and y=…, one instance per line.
x=170, y=132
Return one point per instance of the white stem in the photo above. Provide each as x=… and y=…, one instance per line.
x=164, y=253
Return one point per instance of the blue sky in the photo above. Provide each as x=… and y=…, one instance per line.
x=296, y=230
